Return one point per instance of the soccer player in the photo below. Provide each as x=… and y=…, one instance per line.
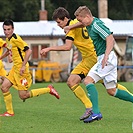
x=106, y=67
x=79, y=37
x=19, y=75
x=2, y=70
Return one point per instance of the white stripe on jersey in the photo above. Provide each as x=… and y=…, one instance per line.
x=104, y=33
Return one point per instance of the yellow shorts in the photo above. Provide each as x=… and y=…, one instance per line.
x=20, y=82
x=85, y=65
x=2, y=70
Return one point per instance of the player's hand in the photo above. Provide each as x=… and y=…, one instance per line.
x=104, y=61
x=10, y=58
x=22, y=70
x=44, y=51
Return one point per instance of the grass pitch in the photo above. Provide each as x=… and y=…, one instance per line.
x=46, y=114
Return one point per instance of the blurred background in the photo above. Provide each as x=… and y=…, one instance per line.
x=28, y=10
x=33, y=22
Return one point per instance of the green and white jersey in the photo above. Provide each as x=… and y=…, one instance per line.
x=98, y=33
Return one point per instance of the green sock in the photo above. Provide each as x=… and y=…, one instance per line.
x=93, y=95
x=123, y=95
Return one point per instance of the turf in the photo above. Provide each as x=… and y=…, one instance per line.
x=46, y=114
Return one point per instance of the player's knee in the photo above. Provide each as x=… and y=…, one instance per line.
x=111, y=92
x=24, y=96
x=69, y=83
x=4, y=89
x=88, y=80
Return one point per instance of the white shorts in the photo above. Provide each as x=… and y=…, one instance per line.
x=108, y=74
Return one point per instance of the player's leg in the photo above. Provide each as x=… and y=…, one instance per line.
x=25, y=84
x=121, y=94
x=7, y=98
x=92, y=93
x=73, y=83
x=2, y=74
x=89, y=81
x=121, y=87
x=111, y=87
x=78, y=74
x=25, y=94
x=118, y=86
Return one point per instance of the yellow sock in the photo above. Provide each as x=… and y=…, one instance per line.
x=8, y=102
x=121, y=87
x=37, y=92
x=80, y=93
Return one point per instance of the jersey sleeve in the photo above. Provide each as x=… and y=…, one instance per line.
x=2, y=43
x=20, y=43
x=101, y=30
x=71, y=34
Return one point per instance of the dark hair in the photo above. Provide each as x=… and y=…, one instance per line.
x=60, y=13
x=8, y=22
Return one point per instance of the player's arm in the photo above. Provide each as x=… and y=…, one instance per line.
x=28, y=52
x=73, y=26
x=109, y=46
x=65, y=47
x=9, y=57
x=5, y=54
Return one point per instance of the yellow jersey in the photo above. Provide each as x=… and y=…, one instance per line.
x=2, y=69
x=2, y=44
x=18, y=48
x=81, y=40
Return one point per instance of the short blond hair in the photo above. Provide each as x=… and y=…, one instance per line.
x=83, y=10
